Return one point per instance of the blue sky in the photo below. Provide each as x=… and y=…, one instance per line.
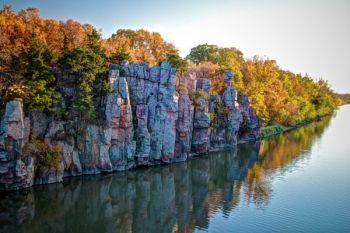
x=310, y=37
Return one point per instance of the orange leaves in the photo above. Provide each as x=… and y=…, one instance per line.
x=140, y=45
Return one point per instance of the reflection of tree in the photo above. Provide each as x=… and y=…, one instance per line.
x=175, y=198
x=275, y=154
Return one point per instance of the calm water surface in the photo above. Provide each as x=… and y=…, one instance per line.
x=296, y=182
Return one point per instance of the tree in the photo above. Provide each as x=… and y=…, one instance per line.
x=85, y=65
x=31, y=48
x=12, y=46
x=225, y=58
x=88, y=66
x=16, y=33
x=211, y=71
x=232, y=59
x=204, y=53
x=260, y=77
x=138, y=46
x=177, y=61
x=39, y=78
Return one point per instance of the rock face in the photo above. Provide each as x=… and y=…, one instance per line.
x=154, y=111
x=15, y=173
x=218, y=122
x=93, y=145
x=119, y=120
x=234, y=117
x=250, y=127
x=183, y=127
x=227, y=116
x=12, y=131
x=201, y=121
x=57, y=136
x=145, y=122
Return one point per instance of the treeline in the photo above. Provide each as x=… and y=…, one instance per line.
x=40, y=57
x=277, y=95
x=345, y=98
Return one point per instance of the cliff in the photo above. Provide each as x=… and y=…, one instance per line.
x=147, y=120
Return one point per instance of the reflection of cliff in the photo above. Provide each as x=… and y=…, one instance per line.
x=277, y=153
x=176, y=198
x=181, y=196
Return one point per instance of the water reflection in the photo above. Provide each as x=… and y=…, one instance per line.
x=177, y=198
x=278, y=153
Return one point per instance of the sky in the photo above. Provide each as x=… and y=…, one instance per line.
x=308, y=37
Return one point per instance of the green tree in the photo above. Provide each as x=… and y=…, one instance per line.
x=88, y=65
x=204, y=53
x=39, y=78
x=225, y=58
x=177, y=61
x=118, y=57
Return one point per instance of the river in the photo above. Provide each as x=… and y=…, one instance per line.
x=295, y=182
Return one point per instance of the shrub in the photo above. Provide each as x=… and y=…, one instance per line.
x=182, y=87
x=46, y=156
x=197, y=95
x=270, y=130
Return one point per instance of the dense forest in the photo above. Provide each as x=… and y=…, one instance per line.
x=38, y=55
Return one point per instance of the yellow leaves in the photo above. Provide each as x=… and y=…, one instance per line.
x=143, y=46
x=16, y=91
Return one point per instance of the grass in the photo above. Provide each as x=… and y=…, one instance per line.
x=270, y=130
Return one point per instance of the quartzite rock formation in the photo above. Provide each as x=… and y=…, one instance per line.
x=184, y=125
x=154, y=111
x=227, y=116
x=15, y=173
x=201, y=120
x=250, y=127
x=119, y=121
x=146, y=122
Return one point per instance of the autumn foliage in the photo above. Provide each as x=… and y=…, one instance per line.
x=276, y=95
x=40, y=59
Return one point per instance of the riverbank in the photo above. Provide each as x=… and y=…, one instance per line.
x=265, y=133
x=276, y=129
x=143, y=123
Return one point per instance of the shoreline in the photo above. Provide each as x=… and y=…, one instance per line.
x=190, y=157
x=286, y=129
